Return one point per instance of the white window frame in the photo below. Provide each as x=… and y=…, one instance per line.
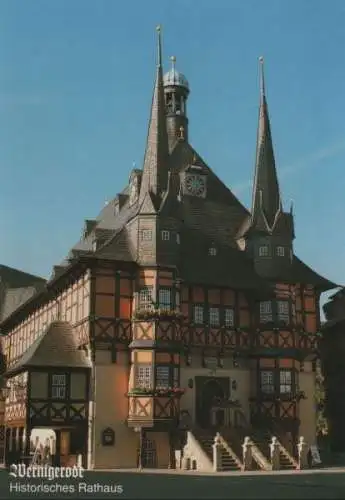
x=283, y=310
x=285, y=381
x=163, y=377
x=266, y=314
x=165, y=235
x=59, y=386
x=145, y=297
x=164, y=298
x=214, y=316
x=281, y=251
x=229, y=317
x=267, y=381
x=198, y=314
x=146, y=235
x=212, y=251
x=263, y=251
x=143, y=376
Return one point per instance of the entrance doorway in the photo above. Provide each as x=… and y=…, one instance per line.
x=208, y=391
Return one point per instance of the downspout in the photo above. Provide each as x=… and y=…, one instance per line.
x=92, y=421
x=93, y=414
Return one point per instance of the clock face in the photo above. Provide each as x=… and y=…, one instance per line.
x=195, y=185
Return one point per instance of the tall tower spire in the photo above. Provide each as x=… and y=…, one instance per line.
x=266, y=200
x=155, y=169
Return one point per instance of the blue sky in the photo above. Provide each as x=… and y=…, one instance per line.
x=76, y=81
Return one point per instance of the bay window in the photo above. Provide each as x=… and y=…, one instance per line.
x=143, y=376
x=163, y=377
x=164, y=298
x=145, y=297
x=167, y=376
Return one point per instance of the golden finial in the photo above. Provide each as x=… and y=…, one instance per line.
x=181, y=133
x=159, y=45
x=262, y=76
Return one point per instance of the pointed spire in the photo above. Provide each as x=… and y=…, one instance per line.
x=266, y=197
x=155, y=170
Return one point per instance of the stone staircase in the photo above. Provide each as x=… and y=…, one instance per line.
x=263, y=439
x=229, y=461
x=285, y=460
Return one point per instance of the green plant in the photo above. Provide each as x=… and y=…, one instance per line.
x=163, y=314
x=321, y=420
x=170, y=391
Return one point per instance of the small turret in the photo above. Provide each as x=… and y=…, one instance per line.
x=176, y=90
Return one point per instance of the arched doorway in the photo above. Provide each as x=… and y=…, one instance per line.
x=210, y=391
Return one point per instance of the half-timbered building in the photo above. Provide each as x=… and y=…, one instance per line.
x=178, y=309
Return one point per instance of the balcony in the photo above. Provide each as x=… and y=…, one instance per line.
x=153, y=408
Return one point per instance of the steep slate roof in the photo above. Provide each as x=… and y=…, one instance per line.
x=229, y=267
x=266, y=196
x=156, y=161
x=220, y=218
x=266, y=212
x=16, y=288
x=56, y=347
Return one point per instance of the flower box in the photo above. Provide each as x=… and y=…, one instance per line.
x=175, y=391
x=157, y=314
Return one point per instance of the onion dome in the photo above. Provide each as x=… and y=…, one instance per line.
x=174, y=78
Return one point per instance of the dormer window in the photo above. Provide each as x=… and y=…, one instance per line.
x=212, y=251
x=263, y=251
x=280, y=251
x=165, y=235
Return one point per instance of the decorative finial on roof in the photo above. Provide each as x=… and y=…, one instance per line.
x=262, y=77
x=181, y=136
x=159, y=48
x=134, y=164
x=173, y=62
